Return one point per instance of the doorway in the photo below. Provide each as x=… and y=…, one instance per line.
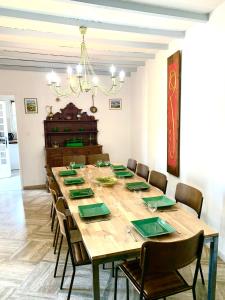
x=9, y=146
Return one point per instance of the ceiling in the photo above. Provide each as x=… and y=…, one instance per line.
x=44, y=34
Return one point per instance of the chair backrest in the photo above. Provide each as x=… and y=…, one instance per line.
x=48, y=170
x=80, y=159
x=132, y=164
x=158, y=180
x=61, y=214
x=142, y=171
x=93, y=158
x=54, y=190
x=171, y=256
x=189, y=196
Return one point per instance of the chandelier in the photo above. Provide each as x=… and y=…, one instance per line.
x=83, y=78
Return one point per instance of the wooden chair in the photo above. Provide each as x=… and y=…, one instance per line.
x=193, y=198
x=158, y=180
x=80, y=159
x=93, y=158
x=76, y=248
x=142, y=171
x=132, y=164
x=155, y=275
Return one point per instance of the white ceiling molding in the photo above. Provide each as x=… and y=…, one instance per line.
x=90, y=24
x=150, y=9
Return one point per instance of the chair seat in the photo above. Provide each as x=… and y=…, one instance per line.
x=80, y=253
x=163, y=284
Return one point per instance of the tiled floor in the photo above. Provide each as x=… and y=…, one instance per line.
x=27, y=260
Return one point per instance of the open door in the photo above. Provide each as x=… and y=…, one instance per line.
x=5, y=169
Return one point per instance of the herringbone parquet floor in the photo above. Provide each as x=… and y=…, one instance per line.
x=27, y=260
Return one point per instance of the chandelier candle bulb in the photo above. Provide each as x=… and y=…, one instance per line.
x=79, y=70
x=84, y=79
x=69, y=71
x=121, y=76
x=112, y=70
x=95, y=81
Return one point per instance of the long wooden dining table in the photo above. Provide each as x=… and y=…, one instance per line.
x=115, y=238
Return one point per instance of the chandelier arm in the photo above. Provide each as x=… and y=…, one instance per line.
x=61, y=92
x=75, y=88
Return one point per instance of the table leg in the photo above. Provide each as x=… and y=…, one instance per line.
x=212, y=268
x=95, y=281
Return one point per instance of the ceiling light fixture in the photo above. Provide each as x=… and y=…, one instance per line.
x=83, y=78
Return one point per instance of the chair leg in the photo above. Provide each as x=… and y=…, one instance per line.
x=56, y=241
x=53, y=219
x=201, y=273
x=64, y=269
x=71, y=283
x=127, y=288
x=55, y=235
x=194, y=294
x=57, y=260
x=115, y=286
x=113, y=267
x=51, y=212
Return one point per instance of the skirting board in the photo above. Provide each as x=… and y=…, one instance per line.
x=34, y=187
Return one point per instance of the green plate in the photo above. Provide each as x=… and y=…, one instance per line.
x=69, y=181
x=103, y=164
x=81, y=193
x=152, y=227
x=118, y=167
x=67, y=173
x=123, y=174
x=76, y=166
x=162, y=201
x=93, y=210
x=137, y=186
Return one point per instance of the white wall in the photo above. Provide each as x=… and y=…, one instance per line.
x=202, y=144
x=113, y=125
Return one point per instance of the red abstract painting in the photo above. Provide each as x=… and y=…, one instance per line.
x=173, y=113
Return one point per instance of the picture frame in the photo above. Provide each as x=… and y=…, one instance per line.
x=115, y=103
x=173, y=113
x=31, y=105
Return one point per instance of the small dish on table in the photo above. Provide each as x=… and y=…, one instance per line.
x=106, y=180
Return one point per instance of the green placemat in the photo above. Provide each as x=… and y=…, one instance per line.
x=162, y=201
x=123, y=174
x=118, y=167
x=152, y=227
x=93, y=210
x=69, y=181
x=67, y=172
x=136, y=186
x=81, y=193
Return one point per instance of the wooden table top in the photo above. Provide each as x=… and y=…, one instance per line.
x=108, y=238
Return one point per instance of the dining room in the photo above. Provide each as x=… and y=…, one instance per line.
x=155, y=101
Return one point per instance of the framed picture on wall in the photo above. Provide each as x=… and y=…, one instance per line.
x=115, y=103
x=31, y=105
x=173, y=113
